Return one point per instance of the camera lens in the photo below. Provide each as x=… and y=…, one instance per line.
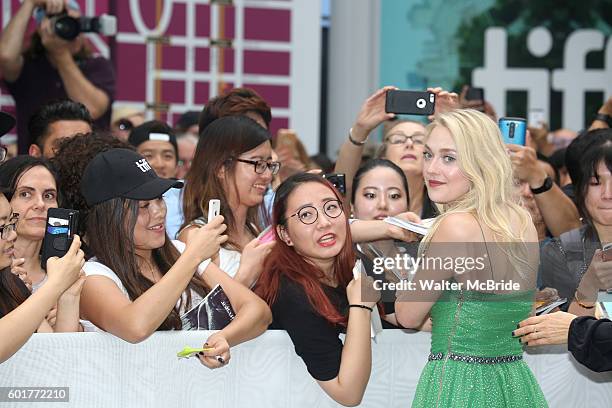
x=124, y=124
x=66, y=27
x=420, y=103
x=512, y=126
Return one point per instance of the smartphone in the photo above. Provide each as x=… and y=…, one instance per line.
x=214, y=208
x=338, y=180
x=61, y=226
x=474, y=94
x=410, y=102
x=536, y=118
x=267, y=235
x=513, y=130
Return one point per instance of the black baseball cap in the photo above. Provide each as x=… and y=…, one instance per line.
x=153, y=130
x=122, y=173
x=6, y=123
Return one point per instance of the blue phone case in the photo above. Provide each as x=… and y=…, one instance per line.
x=513, y=130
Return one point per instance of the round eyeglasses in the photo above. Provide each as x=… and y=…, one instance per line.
x=3, y=153
x=6, y=229
x=400, y=138
x=309, y=214
x=262, y=165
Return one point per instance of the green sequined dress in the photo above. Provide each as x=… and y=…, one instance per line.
x=474, y=360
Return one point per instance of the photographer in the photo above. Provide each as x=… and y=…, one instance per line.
x=51, y=67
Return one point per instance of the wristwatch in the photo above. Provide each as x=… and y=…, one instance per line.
x=548, y=183
x=604, y=118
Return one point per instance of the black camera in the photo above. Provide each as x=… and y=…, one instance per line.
x=69, y=28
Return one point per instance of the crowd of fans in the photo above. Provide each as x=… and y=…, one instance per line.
x=145, y=251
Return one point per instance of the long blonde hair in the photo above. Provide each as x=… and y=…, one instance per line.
x=493, y=197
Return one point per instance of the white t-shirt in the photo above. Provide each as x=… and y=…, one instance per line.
x=94, y=268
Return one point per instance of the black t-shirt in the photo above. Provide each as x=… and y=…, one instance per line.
x=316, y=340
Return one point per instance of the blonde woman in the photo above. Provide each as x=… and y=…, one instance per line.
x=480, y=258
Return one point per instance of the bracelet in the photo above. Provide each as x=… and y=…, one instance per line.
x=355, y=142
x=362, y=307
x=582, y=305
x=604, y=118
x=548, y=184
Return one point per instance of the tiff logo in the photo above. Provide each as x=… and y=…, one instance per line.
x=573, y=79
x=143, y=165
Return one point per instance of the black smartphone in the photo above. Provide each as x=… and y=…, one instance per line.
x=474, y=94
x=61, y=226
x=338, y=180
x=410, y=102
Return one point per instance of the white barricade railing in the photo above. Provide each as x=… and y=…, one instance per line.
x=103, y=371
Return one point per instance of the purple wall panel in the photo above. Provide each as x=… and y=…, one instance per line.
x=172, y=91
x=202, y=23
x=202, y=59
x=173, y=58
x=276, y=95
x=177, y=24
x=267, y=24
x=131, y=70
x=201, y=93
x=267, y=62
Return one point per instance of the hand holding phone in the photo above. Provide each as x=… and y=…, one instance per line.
x=214, y=208
x=60, y=228
x=267, y=235
x=65, y=271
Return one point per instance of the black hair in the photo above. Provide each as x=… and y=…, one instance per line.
x=575, y=150
x=187, y=120
x=13, y=292
x=49, y=113
x=371, y=165
x=12, y=170
x=599, y=151
x=557, y=159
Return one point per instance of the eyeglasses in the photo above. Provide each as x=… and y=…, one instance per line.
x=309, y=214
x=6, y=229
x=262, y=165
x=400, y=138
x=3, y=153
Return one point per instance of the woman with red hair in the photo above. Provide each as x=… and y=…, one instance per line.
x=308, y=283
